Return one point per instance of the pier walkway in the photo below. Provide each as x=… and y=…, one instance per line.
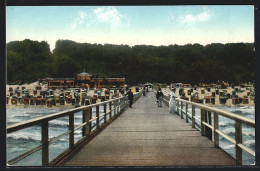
x=147, y=135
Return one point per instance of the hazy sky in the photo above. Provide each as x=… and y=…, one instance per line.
x=132, y=25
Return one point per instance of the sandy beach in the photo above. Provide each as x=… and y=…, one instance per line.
x=32, y=87
x=241, y=93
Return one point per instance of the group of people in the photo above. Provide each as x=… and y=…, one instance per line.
x=159, y=97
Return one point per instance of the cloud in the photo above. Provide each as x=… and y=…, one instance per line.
x=108, y=15
x=100, y=15
x=80, y=19
x=191, y=18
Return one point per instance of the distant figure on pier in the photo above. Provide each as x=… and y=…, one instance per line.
x=172, y=101
x=144, y=91
x=159, y=97
x=130, y=97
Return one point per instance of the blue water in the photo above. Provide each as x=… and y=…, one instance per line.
x=227, y=126
x=26, y=139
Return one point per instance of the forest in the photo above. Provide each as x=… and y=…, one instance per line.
x=28, y=60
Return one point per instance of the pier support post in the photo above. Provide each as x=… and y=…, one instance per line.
x=202, y=119
x=216, y=137
x=105, y=111
x=187, y=113
x=117, y=106
x=97, y=115
x=110, y=110
x=238, y=135
x=181, y=110
x=45, y=143
x=193, y=115
x=71, y=128
x=86, y=117
x=178, y=105
x=208, y=131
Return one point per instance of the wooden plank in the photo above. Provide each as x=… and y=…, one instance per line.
x=146, y=135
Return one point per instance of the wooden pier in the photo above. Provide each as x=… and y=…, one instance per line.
x=147, y=135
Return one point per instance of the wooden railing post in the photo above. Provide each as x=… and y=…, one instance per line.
x=105, y=111
x=181, y=110
x=125, y=102
x=208, y=131
x=120, y=105
x=202, y=119
x=216, y=138
x=187, y=113
x=97, y=115
x=86, y=117
x=178, y=105
x=238, y=135
x=193, y=116
x=110, y=108
x=45, y=143
x=71, y=128
x=117, y=107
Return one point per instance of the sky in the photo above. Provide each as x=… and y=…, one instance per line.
x=132, y=25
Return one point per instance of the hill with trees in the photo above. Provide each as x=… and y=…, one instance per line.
x=29, y=60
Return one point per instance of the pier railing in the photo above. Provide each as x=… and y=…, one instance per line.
x=116, y=106
x=212, y=130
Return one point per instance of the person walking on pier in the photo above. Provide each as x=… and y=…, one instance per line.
x=172, y=101
x=130, y=96
x=144, y=91
x=159, y=97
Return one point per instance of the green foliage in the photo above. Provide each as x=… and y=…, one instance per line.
x=29, y=60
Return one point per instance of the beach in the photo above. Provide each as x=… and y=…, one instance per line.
x=241, y=92
x=56, y=93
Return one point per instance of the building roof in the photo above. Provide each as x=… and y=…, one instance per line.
x=60, y=79
x=148, y=83
x=108, y=78
x=84, y=74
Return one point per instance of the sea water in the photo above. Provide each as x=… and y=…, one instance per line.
x=227, y=126
x=29, y=138
x=24, y=140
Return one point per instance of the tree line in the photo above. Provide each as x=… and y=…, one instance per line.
x=29, y=60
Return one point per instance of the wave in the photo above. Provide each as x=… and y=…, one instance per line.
x=249, y=143
x=226, y=124
x=227, y=147
x=78, y=132
x=58, y=123
x=23, y=117
x=78, y=116
x=11, y=122
x=248, y=133
x=33, y=113
x=25, y=136
x=246, y=110
x=231, y=131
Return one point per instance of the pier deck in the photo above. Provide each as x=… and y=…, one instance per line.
x=146, y=135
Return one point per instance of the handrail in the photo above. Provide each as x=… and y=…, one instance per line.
x=221, y=112
x=206, y=112
x=36, y=121
x=119, y=104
